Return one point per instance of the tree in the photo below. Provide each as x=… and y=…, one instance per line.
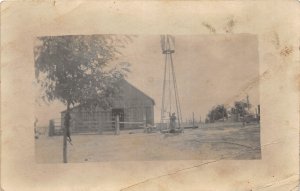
x=240, y=108
x=79, y=70
x=217, y=112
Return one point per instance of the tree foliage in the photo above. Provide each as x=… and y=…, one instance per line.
x=80, y=69
x=216, y=113
x=240, y=107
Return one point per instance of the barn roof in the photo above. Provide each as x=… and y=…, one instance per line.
x=127, y=83
x=144, y=94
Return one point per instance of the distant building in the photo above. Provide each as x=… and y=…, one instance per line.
x=132, y=106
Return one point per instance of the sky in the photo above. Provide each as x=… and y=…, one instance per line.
x=210, y=70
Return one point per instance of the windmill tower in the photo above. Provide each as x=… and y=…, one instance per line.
x=170, y=98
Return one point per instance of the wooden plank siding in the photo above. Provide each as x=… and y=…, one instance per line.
x=132, y=103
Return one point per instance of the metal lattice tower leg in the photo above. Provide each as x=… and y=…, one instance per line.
x=170, y=71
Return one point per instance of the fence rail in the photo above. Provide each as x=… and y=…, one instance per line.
x=96, y=127
x=56, y=126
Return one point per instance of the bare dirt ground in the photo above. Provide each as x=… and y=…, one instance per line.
x=205, y=143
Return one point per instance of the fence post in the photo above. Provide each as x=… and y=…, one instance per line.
x=193, y=121
x=51, y=128
x=117, y=125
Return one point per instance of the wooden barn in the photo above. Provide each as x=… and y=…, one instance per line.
x=131, y=106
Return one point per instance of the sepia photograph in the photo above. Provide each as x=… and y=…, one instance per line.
x=149, y=95
x=114, y=97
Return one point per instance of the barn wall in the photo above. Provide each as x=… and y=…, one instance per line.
x=137, y=106
x=84, y=121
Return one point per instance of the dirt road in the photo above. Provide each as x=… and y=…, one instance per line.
x=208, y=143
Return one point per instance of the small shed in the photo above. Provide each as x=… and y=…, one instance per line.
x=132, y=105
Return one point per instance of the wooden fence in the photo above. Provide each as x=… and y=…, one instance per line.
x=92, y=127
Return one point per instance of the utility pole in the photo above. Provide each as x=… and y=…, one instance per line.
x=248, y=103
x=193, y=120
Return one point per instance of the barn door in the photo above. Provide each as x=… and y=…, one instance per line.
x=119, y=112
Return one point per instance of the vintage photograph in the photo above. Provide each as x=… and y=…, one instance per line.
x=115, y=97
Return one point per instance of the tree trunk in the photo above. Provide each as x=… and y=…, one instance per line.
x=65, y=131
x=65, y=160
